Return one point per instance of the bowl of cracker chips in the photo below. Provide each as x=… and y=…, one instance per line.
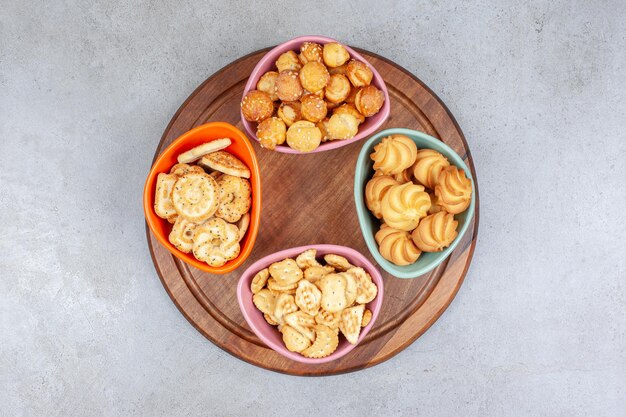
x=312, y=304
x=202, y=197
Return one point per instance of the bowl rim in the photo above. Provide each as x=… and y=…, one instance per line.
x=407, y=271
x=255, y=74
x=255, y=214
x=347, y=252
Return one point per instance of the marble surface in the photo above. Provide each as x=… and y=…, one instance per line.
x=537, y=329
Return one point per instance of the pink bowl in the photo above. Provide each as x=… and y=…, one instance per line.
x=270, y=334
x=267, y=63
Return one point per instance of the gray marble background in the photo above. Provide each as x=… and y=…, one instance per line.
x=537, y=329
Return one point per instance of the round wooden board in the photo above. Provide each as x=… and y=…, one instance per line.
x=309, y=199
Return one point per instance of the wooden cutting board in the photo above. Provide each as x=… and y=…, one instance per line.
x=309, y=199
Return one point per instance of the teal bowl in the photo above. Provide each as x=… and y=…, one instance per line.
x=370, y=224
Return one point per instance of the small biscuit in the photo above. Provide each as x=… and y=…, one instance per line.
x=369, y=100
x=338, y=262
x=359, y=73
x=348, y=108
x=286, y=272
x=326, y=342
x=271, y=132
x=257, y=106
x=225, y=162
x=310, y=51
x=313, y=273
x=288, y=87
x=182, y=169
x=307, y=259
x=288, y=61
x=294, y=340
x=308, y=297
x=259, y=280
x=235, y=198
x=350, y=323
x=304, y=136
x=285, y=304
x=314, y=76
x=328, y=319
x=271, y=320
x=313, y=108
x=335, y=54
x=338, y=88
x=289, y=112
x=199, y=151
x=265, y=301
x=342, y=126
x=267, y=84
x=333, y=288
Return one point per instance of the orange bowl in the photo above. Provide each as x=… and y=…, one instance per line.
x=242, y=149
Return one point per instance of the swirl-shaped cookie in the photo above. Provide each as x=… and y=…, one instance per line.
x=435, y=232
x=453, y=190
x=216, y=242
x=375, y=190
x=428, y=165
x=404, y=205
x=195, y=197
x=396, y=246
x=394, y=154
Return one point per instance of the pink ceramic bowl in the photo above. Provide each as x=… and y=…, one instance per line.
x=267, y=63
x=270, y=334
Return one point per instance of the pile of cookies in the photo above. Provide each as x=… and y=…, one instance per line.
x=293, y=103
x=208, y=203
x=311, y=302
x=416, y=193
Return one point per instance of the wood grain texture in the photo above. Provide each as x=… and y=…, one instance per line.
x=308, y=199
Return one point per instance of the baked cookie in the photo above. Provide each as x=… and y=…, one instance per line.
x=375, y=190
x=428, y=166
x=314, y=76
x=304, y=136
x=404, y=205
x=348, y=108
x=313, y=108
x=359, y=74
x=267, y=84
x=335, y=54
x=289, y=112
x=195, y=197
x=271, y=132
x=235, y=200
x=288, y=61
x=369, y=100
x=288, y=87
x=342, y=126
x=216, y=242
x=310, y=51
x=396, y=246
x=338, y=88
x=225, y=162
x=453, y=190
x=257, y=106
x=435, y=232
x=394, y=154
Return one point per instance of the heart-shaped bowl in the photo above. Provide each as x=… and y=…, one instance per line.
x=242, y=149
x=370, y=224
x=268, y=63
x=270, y=334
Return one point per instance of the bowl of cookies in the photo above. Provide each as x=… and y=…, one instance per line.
x=313, y=94
x=312, y=304
x=202, y=197
x=414, y=198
